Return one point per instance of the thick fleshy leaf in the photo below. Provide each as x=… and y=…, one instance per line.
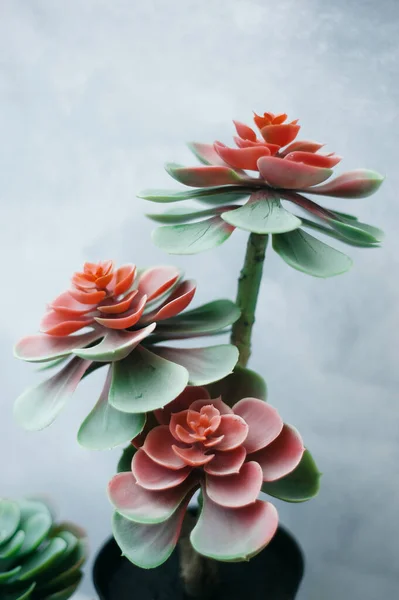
x=21, y=594
x=42, y=348
x=12, y=547
x=220, y=194
x=36, y=528
x=9, y=519
x=244, y=131
x=192, y=238
x=354, y=184
x=148, y=546
x=203, y=176
x=42, y=559
x=281, y=456
x=158, y=446
x=66, y=593
x=226, y=463
x=234, y=534
x=54, y=323
x=184, y=215
x=206, y=154
x=242, y=158
x=6, y=576
x=116, y=345
x=240, y=489
x=335, y=234
x=127, y=319
x=208, y=318
x=303, y=146
x=189, y=396
x=38, y=406
x=106, y=427
x=145, y=506
x=152, y=476
x=125, y=461
x=262, y=213
x=286, y=174
x=358, y=232
x=281, y=134
x=300, y=485
x=264, y=423
x=242, y=383
x=176, y=302
x=143, y=382
x=156, y=281
x=204, y=365
x=309, y=255
x=314, y=160
x=193, y=456
x=234, y=431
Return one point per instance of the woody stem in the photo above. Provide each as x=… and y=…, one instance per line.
x=247, y=295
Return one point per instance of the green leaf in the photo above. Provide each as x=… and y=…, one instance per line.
x=36, y=528
x=337, y=235
x=33, y=506
x=9, y=575
x=148, y=546
x=9, y=519
x=116, y=345
x=263, y=213
x=184, y=215
x=219, y=194
x=309, y=255
x=106, y=427
x=192, y=238
x=10, y=548
x=204, y=365
x=300, y=485
x=25, y=594
x=66, y=593
x=242, y=383
x=358, y=232
x=125, y=461
x=143, y=382
x=208, y=318
x=42, y=559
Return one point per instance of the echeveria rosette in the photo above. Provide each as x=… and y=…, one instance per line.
x=124, y=317
x=39, y=559
x=231, y=454
x=275, y=168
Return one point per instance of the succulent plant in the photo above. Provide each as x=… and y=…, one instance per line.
x=39, y=560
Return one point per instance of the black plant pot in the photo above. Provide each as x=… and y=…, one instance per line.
x=274, y=574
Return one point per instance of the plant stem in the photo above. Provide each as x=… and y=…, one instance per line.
x=247, y=295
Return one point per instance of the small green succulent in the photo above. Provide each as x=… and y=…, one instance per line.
x=39, y=560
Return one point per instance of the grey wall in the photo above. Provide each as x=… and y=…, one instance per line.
x=95, y=96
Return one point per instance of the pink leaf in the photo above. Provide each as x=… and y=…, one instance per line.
x=153, y=476
x=157, y=280
x=281, y=173
x=176, y=303
x=158, y=446
x=192, y=456
x=234, y=429
x=204, y=176
x=182, y=402
x=54, y=323
x=42, y=348
x=127, y=319
x=281, y=456
x=280, y=134
x=244, y=131
x=232, y=534
x=236, y=490
x=207, y=154
x=303, y=145
x=227, y=463
x=354, y=184
x=242, y=158
x=145, y=506
x=263, y=421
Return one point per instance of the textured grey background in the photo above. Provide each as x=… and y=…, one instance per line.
x=95, y=96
